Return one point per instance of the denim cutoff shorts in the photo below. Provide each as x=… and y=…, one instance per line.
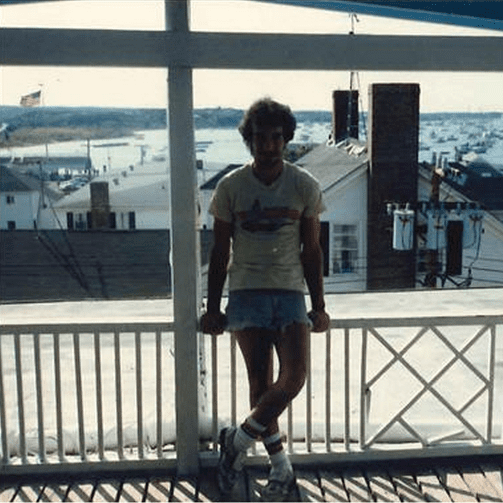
x=269, y=309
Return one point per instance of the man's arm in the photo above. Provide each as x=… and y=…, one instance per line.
x=212, y=320
x=312, y=258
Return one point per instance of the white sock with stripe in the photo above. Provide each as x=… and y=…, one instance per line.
x=247, y=433
x=280, y=462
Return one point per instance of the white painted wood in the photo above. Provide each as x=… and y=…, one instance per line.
x=346, y=459
x=214, y=388
x=490, y=396
x=139, y=394
x=40, y=405
x=79, y=395
x=328, y=389
x=20, y=400
x=309, y=404
x=33, y=46
x=99, y=394
x=118, y=395
x=3, y=415
x=186, y=254
x=158, y=392
x=298, y=444
x=335, y=323
x=290, y=428
x=428, y=385
x=58, y=393
x=347, y=389
x=364, y=389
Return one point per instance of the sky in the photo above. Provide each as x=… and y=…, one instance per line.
x=302, y=90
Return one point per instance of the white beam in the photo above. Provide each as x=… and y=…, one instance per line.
x=22, y=46
x=186, y=254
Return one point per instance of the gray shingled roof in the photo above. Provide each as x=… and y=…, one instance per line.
x=212, y=182
x=10, y=181
x=481, y=182
x=327, y=162
x=330, y=163
x=15, y=182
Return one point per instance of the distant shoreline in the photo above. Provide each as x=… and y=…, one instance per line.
x=31, y=137
x=28, y=127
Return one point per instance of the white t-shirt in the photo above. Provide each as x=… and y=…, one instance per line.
x=266, y=240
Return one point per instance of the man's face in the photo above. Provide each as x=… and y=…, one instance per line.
x=267, y=144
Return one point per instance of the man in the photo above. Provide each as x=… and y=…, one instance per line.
x=268, y=210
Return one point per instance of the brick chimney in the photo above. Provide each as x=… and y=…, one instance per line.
x=345, y=113
x=393, y=177
x=100, y=205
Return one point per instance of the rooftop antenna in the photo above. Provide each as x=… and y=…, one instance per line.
x=354, y=79
x=353, y=18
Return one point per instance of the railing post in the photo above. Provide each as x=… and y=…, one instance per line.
x=186, y=256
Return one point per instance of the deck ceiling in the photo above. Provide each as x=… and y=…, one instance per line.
x=479, y=13
x=474, y=13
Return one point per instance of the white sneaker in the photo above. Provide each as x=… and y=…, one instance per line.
x=279, y=490
x=230, y=463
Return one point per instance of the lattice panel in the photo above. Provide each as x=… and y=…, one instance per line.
x=427, y=383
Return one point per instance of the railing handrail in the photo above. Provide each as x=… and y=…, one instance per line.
x=335, y=323
x=404, y=321
x=86, y=327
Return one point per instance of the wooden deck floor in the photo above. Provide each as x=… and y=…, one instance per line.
x=455, y=483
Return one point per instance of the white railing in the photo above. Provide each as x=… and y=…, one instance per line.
x=103, y=395
x=86, y=393
x=379, y=388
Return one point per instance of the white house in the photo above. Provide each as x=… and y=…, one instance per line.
x=136, y=200
x=342, y=171
x=25, y=203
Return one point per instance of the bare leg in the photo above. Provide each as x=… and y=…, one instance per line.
x=271, y=399
x=257, y=348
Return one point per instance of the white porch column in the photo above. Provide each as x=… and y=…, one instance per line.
x=185, y=247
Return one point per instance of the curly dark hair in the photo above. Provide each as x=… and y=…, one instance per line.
x=266, y=111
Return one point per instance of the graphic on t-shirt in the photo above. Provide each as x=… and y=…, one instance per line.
x=272, y=219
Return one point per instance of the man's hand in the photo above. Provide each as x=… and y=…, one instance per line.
x=213, y=323
x=320, y=320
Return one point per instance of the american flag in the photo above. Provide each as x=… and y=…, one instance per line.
x=31, y=100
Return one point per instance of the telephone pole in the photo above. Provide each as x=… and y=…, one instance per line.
x=432, y=254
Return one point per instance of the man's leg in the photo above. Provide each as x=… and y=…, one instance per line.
x=273, y=399
x=291, y=346
x=269, y=399
x=257, y=349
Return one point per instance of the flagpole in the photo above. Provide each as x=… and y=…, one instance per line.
x=42, y=104
x=42, y=95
